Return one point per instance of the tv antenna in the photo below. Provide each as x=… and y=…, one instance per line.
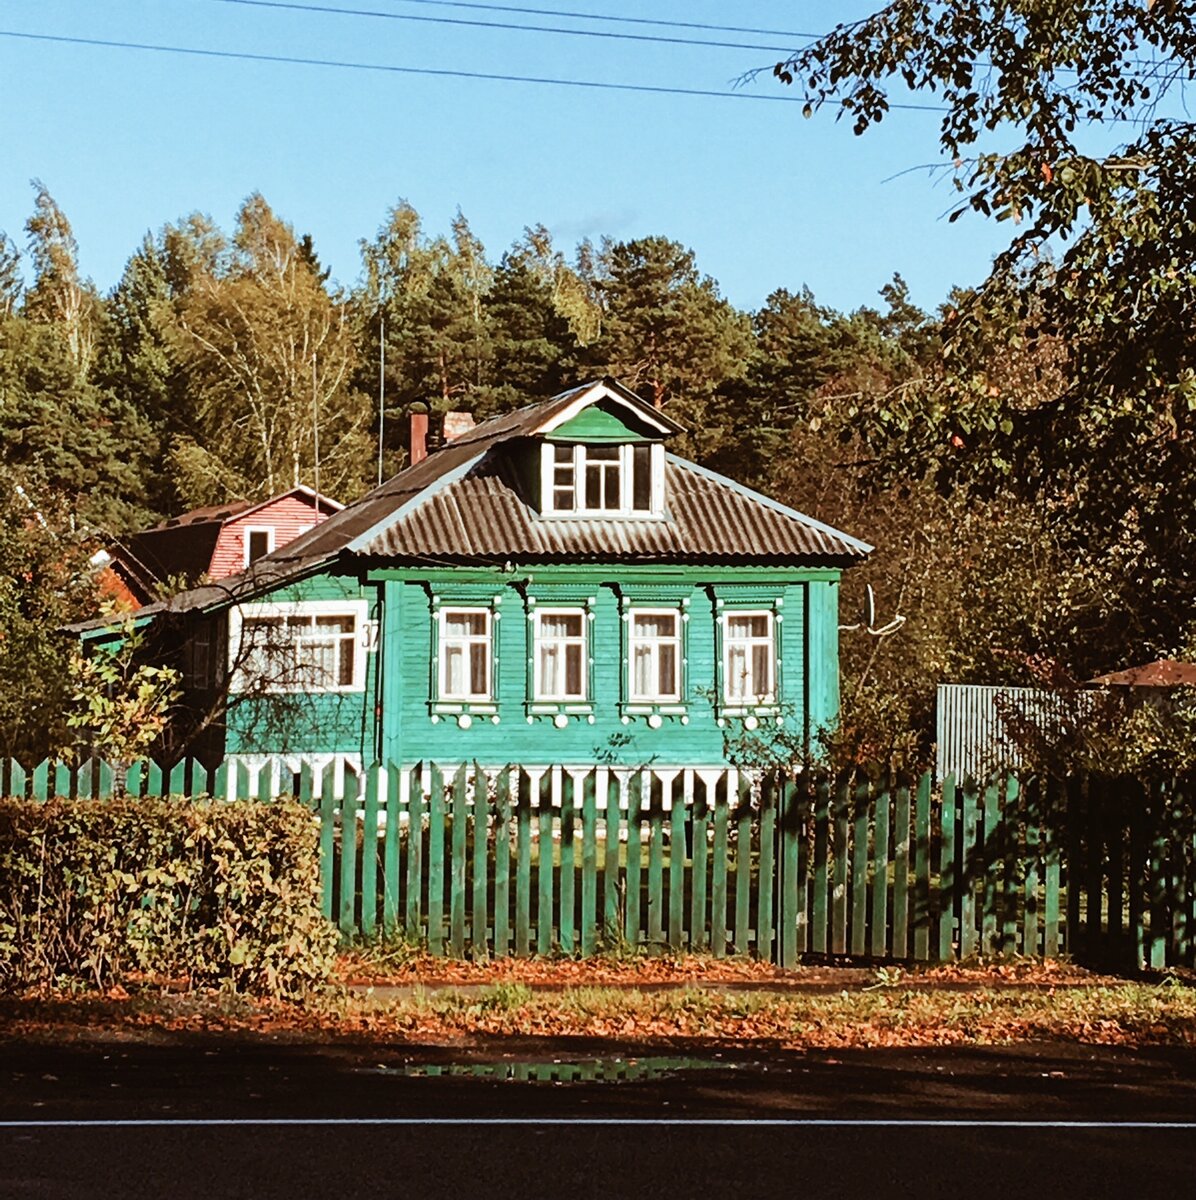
x=867, y=621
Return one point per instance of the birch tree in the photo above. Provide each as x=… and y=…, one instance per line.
x=267, y=355
x=59, y=296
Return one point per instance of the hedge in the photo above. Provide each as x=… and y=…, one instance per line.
x=200, y=891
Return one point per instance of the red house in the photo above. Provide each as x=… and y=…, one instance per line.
x=209, y=543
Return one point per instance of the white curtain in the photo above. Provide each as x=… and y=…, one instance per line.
x=562, y=650
x=465, y=655
x=654, y=656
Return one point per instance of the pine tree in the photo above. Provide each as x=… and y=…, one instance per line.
x=534, y=349
x=68, y=442
x=669, y=335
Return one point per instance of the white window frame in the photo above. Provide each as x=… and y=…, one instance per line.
x=654, y=643
x=284, y=610
x=442, y=641
x=548, y=468
x=248, y=532
x=539, y=694
x=752, y=698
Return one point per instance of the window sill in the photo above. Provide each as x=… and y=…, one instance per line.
x=654, y=715
x=561, y=712
x=465, y=711
x=600, y=514
x=752, y=715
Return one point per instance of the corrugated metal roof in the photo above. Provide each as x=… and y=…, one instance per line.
x=262, y=576
x=464, y=504
x=482, y=517
x=1162, y=673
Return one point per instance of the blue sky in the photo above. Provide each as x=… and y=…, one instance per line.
x=127, y=140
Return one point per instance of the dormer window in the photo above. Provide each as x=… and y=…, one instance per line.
x=603, y=480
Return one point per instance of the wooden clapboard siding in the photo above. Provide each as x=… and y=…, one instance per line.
x=287, y=516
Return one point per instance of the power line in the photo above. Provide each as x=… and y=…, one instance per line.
x=470, y=23
x=787, y=50
x=493, y=76
x=580, y=16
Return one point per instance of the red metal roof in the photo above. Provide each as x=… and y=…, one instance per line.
x=1162, y=673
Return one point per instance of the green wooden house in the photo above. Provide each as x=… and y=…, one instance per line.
x=553, y=586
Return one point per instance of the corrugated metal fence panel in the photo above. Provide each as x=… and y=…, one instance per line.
x=972, y=739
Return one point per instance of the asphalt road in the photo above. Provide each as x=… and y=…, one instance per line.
x=196, y=1118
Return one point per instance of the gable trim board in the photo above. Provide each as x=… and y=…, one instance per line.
x=593, y=393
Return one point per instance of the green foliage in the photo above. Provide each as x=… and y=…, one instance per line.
x=534, y=353
x=668, y=334
x=120, y=704
x=1119, y=732
x=12, y=286
x=265, y=353
x=59, y=296
x=45, y=581
x=104, y=892
x=66, y=440
x=1091, y=301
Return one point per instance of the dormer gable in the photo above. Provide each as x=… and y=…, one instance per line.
x=603, y=456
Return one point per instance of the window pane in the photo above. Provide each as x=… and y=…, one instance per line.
x=761, y=670
x=259, y=544
x=453, y=682
x=562, y=455
x=479, y=685
x=573, y=670
x=668, y=669
x=593, y=486
x=560, y=624
x=343, y=624
x=736, y=672
x=549, y=677
x=345, y=663
x=641, y=478
x=655, y=625
x=602, y=454
x=465, y=624
x=642, y=683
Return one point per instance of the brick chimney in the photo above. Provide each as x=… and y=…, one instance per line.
x=456, y=424
x=429, y=433
x=419, y=437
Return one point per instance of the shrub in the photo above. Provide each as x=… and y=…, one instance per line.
x=100, y=892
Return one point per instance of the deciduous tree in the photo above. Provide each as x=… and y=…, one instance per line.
x=267, y=356
x=1067, y=121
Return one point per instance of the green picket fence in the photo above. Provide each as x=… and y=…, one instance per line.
x=517, y=860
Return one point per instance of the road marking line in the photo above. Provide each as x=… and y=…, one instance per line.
x=843, y=1122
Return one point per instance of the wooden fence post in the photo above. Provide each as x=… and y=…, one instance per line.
x=948, y=874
